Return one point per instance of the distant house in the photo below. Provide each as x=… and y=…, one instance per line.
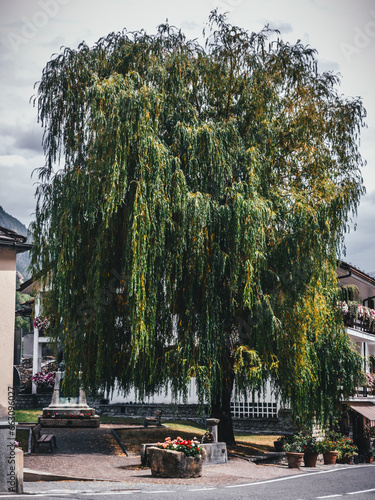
x=358, y=307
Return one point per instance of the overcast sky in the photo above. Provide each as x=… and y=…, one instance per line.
x=343, y=32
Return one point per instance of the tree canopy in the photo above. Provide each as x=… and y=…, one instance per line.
x=190, y=212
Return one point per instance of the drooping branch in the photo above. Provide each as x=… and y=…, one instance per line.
x=192, y=226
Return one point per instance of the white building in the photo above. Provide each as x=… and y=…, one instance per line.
x=359, y=318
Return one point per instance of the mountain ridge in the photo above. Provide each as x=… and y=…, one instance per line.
x=23, y=259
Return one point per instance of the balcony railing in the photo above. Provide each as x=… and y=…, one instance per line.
x=364, y=392
x=357, y=316
x=362, y=325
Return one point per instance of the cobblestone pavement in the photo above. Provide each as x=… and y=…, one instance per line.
x=94, y=454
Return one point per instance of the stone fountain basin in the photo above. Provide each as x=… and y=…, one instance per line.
x=216, y=453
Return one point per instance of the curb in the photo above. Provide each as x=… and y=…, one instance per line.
x=30, y=476
x=120, y=443
x=272, y=457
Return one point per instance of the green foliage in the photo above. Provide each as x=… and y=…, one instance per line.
x=27, y=415
x=295, y=443
x=311, y=445
x=349, y=293
x=335, y=441
x=346, y=447
x=193, y=225
x=22, y=322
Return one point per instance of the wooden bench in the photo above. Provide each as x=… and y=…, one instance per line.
x=38, y=438
x=153, y=420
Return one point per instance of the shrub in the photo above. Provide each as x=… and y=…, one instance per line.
x=296, y=444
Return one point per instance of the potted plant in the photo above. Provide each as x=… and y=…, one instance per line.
x=328, y=447
x=177, y=458
x=295, y=450
x=44, y=381
x=42, y=324
x=369, y=456
x=311, y=451
x=347, y=450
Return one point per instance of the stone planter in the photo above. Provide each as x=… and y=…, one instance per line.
x=330, y=457
x=310, y=459
x=169, y=463
x=294, y=459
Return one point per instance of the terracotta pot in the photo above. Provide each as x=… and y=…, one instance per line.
x=294, y=459
x=369, y=460
x=330, y=457
x=310, y=459
x=169, y=463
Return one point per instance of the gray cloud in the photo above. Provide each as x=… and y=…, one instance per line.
x=325, y=66
x=359, y=241
x=284, y=28
x=190, y=25
x=17, y=188
x=25, y=137
x=30, y=140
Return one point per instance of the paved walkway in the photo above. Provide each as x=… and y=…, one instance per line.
x=94, y=454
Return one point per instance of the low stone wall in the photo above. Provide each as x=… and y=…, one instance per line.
x=32, y=401
x=275, y=425
x=70, y=422
x=187, y=411
x=281, y=424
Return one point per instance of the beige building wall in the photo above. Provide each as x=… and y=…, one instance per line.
x=7, y=318
x=8, y=468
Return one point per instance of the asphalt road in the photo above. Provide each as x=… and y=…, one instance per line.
x=356, y=482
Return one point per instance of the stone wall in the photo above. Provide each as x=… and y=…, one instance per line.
x=169, y=411
x=281, y=424
x=32, y=401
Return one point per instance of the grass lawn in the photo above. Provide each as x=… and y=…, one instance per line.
x=246, y=444
x=27, y=415
x=32, y=416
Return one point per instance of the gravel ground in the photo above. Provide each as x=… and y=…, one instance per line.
x=94, y=454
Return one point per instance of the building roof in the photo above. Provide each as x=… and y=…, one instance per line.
x=11, y=239
x=27, y=286
x=353, y=271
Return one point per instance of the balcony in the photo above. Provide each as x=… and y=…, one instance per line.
x=358, y=317
x=364, y=392
x=362, y=325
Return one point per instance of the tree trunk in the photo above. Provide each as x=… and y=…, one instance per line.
x=220, y=408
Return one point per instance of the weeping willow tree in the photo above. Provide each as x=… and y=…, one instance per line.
x=190, y=212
